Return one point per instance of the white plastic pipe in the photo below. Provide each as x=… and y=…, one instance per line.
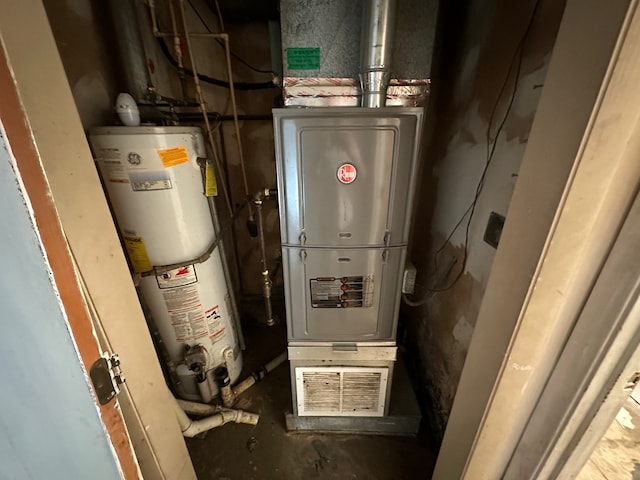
x=191, y=428
x=258, y=375
x=196, y=408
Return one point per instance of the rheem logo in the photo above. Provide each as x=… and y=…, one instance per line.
x=347, y=173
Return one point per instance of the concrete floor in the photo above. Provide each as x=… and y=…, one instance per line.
x=267, y=451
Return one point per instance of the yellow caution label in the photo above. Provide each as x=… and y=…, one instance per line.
x=137, y=253
x=173, y=156
x=210, y=185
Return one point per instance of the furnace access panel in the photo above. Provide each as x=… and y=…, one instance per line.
x=346, y=180
x=346, y=175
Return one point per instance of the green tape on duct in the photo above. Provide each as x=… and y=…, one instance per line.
x=303, y=58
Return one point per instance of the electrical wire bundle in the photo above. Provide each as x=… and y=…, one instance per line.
x=492, y=140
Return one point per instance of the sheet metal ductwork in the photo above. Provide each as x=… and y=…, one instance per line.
x=324, y=56
x=378, y=27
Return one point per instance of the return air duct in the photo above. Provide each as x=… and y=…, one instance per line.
x=378, y=27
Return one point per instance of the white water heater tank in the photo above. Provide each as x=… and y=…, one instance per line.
x=155, y=186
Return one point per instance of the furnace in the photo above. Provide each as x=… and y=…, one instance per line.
x=346, y=178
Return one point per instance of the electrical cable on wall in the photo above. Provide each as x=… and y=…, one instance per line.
x=492, y=141
x=245, y=86
x=219, y=42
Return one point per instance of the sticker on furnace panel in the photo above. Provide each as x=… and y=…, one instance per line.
x=342, y=292
x=347, y=173
x=178, y=277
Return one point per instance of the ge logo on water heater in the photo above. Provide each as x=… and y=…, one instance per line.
x=347, y=173
x=134, y=158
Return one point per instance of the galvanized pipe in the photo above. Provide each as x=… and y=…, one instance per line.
x=266, y=278
x=378, y=29
x=131, y=49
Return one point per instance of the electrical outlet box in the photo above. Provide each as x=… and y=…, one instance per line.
x=409, y=279
x=494, y=229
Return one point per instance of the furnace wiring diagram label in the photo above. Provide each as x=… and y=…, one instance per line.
x=137, y=253
x=342, y=292
x=173, y=156
x=178, y=277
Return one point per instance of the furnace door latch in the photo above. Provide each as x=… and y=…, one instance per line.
x=106, y=377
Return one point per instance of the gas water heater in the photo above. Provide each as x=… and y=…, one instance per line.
x=346, y=181
x=154, y=181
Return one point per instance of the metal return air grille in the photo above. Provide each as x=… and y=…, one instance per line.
x=341, y=391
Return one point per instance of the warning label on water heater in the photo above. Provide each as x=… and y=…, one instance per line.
x=137, y=253
x=190, y=321
x=342, y=292
x=114, y=171
x=186, y=313
x=180, y=291
x=215, y=324
x=171, y=157
x=178, y=277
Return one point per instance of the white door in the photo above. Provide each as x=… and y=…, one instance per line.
x=50, y=424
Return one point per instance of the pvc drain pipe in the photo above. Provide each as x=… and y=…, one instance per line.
x=229, y=394
x=191, y=428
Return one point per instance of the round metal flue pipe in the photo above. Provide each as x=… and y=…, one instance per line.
x=128, y=39
x=378, y=29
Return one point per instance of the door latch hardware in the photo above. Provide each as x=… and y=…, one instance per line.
x=106, y=377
